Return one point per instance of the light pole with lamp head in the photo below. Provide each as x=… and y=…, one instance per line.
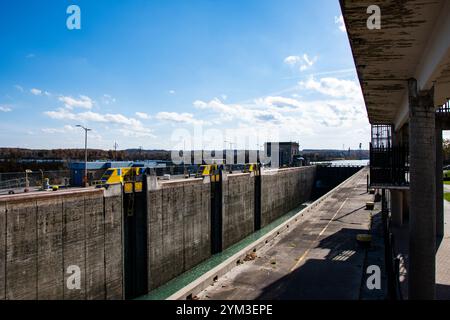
x=85, y=153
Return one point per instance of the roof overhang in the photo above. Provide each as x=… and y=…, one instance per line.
x=413, y=42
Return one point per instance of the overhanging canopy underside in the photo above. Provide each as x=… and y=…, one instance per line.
x=386, y=58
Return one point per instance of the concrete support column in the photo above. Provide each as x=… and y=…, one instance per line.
x=406, y=199
x=422, y=233
x=439, y=183
x=397, y=207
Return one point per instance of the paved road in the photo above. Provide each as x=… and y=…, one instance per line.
x=317, y=259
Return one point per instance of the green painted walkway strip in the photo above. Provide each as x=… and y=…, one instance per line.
x=189, y=276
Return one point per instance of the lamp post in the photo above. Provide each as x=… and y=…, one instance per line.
x=27, y=182
x=85, y=153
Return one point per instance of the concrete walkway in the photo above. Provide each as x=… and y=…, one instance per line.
x=442, y=256
x=317, y=259
x=443, y=259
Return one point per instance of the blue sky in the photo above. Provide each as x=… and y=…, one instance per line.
x=169, y=73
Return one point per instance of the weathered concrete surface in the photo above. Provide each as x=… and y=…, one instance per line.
x=238, y=208
x=442, y=256
x=422, y=218
x=95, y=244
x=21, y=250
x=283, y=190
x=397, y=207
x=2, y=250
x=113, y=243
x=178, y=229
x=318, y=259
x=196, y=224
x=42, y=234
x=385, y=58
x=74, y=243
x=49, y=249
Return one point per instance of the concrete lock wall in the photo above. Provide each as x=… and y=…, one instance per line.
x=283, y=190
x=42, y=235
x=238, y=208
x=179, y=228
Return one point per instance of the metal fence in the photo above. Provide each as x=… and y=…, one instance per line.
x=389, y=166
x=35, y=179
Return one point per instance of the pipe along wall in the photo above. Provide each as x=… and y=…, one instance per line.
x=126, y=245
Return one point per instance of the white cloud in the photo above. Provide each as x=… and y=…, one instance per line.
x=178, y=117
x=5, y=109
x=65, y=129
x=30, y=55
x=227, y=111
x=281, y=102
x=64, y=114
x=60, y=114
x=137, y=132
x=172, y=91
x=303, y=62
x=340, y=21
x=326, y=111
x=292, y=60
x=239, y=112
x=36, y=92
x=121, y=119
x=108, y=99
x=334, y=87
x=127, y=126
x=83, y=102
x=19, y=88
x=143, y=115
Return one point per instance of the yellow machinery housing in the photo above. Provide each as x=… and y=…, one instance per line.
x=251, y=167
x=206, y=170
x=120, y=175
x=213, y=169
x=130, y=178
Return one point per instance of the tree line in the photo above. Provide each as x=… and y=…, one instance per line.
x=18, y=159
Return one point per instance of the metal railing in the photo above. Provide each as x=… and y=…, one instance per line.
x=13, y=184
x=389, y=166
x=12, y=180
x=445, y=109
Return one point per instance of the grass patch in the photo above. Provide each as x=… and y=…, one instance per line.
x=447, y=196
x=447, y=182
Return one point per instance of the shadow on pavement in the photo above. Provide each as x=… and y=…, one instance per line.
x=335, y=276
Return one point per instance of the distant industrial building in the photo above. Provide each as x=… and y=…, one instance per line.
x=289, y=152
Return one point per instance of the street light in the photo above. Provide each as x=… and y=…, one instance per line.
x=27, y=182
x=230, y=143
x=231, y=149
x=85, y=153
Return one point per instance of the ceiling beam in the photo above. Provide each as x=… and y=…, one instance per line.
x=436, y=53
